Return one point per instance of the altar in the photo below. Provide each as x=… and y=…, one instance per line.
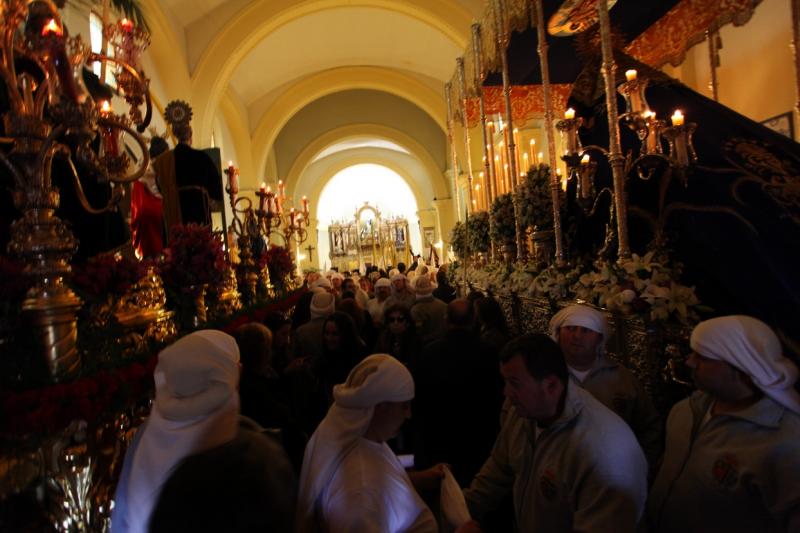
x=368, y=239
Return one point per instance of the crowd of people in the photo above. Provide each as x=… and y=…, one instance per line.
x=304, y=423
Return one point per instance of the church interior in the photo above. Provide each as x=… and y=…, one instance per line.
x=175, y=166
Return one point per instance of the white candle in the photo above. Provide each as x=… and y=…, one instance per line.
x=677, y=118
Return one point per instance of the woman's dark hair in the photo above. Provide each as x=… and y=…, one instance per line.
x=302, y=310
x=350, y=340
x=255, y=346
x=490, y=314
x=355, y=311
x=441, y=277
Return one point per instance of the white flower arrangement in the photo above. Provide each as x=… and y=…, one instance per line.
x=639, y=285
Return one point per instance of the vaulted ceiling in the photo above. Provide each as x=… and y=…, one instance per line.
x=256, y=65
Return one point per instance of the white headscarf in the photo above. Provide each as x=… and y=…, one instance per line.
x=196, y=409
x=321, y=282
x=579, y=315
x=323, y=304
x=378, y=378
x=751, y=346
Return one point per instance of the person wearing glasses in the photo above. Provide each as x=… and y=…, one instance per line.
x=399, y=335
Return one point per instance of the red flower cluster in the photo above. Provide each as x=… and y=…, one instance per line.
x=52, y=408
x=194, y=257
x=108, y=274
x=279, y=262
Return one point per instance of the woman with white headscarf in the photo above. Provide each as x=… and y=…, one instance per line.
x=196, y=408
x=351, y=480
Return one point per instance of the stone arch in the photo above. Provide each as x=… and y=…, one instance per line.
x=438, y=181
x=243, y=32
x=332, y=81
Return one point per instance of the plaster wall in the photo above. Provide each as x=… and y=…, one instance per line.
x=756, y=76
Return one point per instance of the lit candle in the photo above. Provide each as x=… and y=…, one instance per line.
x=498, y=186
x=233, y=181
x=506, y=178
x=569, y=114
x=517, y=144
x=126, y=25
x=262, y=195
x=525, y=163
x=477, y=200
x=584, y=160
x=281, y=189
x=304, y=201
x=52, y=29
x=677, y=118
x=541, y=157
x=105, y=108
x=630, y=75
x=533, y=151
x=292, y=216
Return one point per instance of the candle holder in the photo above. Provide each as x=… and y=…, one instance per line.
x=682, y=154
x=33, y=139
x=569, y=135
x=585, y=179
x=634, y=92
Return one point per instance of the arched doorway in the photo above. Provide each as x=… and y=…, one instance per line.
x=350, y=188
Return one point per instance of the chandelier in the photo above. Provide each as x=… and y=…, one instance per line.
x=51, y=116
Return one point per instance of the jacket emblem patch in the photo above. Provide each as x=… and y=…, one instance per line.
x=726, y=470
x=547, y=485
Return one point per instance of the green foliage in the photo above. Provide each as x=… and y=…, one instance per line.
x=478, y=235
x=458, y=239
x=478, y=224
x=535, y=199
x=502, y=229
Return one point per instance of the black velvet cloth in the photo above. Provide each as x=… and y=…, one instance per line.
x=734, y=221
x=195, y=168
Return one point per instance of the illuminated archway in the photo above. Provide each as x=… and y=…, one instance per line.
x=348, y=189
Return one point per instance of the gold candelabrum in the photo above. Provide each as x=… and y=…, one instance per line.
x=650, y=160
x=256, y=228
x=50, y=115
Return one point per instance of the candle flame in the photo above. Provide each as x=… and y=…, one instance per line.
x=52, y=28
x=105, y=107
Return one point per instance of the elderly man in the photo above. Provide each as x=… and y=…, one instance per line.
x=307, y=340
x=401, y=292
x=351, y=480
x=582, y=333
x=572, y=463
x=732, y=460
x=196, y=410
x=428, y=312
x=376, y=305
